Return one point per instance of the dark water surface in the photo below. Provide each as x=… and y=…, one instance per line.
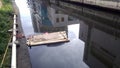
x=93, y=44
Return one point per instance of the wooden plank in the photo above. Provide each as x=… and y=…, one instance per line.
x=47, y=38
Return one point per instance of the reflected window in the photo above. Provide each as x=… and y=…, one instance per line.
x=62, y=19
x=56, y=11
x=70, y=18
x=57, y=20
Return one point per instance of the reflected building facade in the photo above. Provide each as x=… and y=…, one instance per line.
x=100, y=31
x=41, y=22
x=47, y=19
x=102, y=44
x=59, y=19
x=107, y=4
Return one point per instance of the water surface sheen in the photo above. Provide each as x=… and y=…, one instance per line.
x=61, y=55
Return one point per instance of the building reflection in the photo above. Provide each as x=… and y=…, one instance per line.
x=47, y=19
x=102, y=44
x=59, y=19
x=100, y=31
x=42, y=23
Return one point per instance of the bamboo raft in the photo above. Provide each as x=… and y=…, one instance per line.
x=47, y=38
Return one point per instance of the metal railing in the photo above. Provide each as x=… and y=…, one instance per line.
x=13, y=59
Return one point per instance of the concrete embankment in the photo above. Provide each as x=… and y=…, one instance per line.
x=23, y=59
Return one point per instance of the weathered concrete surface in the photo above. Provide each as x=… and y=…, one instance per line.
x=23, y=60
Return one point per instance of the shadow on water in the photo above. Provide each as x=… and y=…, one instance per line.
x=49, y=45
x=56, y=44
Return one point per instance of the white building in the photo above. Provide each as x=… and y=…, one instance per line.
x=59, y=19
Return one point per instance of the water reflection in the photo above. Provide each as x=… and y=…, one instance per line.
x=101, y=48
x=99, y=30
x=59, y=55
x=25, y=17
x=101, y=33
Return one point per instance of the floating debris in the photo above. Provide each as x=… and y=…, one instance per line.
x=47, y=38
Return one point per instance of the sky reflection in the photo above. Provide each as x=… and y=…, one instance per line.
x=25, y=17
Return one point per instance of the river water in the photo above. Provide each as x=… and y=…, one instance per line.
x=57, y=55
x=91, y=44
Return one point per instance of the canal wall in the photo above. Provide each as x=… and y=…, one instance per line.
x=23, y=60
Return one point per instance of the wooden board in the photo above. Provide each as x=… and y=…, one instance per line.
x=47, y=38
